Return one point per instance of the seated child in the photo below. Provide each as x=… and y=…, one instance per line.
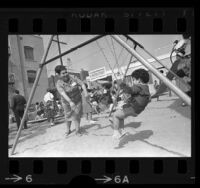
x=134, y=100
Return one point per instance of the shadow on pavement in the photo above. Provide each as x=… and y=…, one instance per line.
x=99, y=127
x=184, y=111
x=29, y=134
x=88, y=126
x=39, y=131
x=84, y=132
x=59, y=121
x=33, y=129
x=31, y=148
x=142, y=136
x=133, y=137
x=24, y=132
x=133, y=124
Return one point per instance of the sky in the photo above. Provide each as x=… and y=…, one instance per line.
x=91, y=57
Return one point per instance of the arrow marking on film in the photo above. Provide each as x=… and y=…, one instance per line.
x=15, y=178
x=105, y=179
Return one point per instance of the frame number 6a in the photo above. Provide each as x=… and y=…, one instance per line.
x=121, y=179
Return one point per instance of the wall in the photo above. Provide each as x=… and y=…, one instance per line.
x=37, y=43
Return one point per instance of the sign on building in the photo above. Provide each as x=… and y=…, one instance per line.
x=97, y=74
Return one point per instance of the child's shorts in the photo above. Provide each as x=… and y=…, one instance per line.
x=75, y=114
x=125, y=112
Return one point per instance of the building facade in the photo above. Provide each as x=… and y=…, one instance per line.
x=25, y=54
x=119, y=73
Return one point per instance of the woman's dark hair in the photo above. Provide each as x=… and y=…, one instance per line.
x=59, y=68
x=141, y=74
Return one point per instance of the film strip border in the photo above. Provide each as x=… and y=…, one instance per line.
x=136, y=21
x=117, y=171
x=156, y=21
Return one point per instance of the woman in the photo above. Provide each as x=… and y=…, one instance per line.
x=87, y=108
x=68, y=87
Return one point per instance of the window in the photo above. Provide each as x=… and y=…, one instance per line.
x=31, y=76
x=28, y=51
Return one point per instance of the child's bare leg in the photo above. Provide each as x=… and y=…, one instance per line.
x=68, y=126
x=77, y=124
x=51, y=121
x=118, y=119
x=121, y=124
x=118, y=123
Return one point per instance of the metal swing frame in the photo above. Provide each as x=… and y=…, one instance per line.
x=132, y=51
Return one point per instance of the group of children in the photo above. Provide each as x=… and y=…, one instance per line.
x=133, y=101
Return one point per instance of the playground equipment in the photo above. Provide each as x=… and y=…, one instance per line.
x=131, y=50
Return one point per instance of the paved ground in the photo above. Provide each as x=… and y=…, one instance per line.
x=162, y=130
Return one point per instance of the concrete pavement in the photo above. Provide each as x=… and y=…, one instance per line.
x=162, y=130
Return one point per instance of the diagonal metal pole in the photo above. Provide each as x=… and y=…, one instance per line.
x=44, y=62
x=118, y=90
x=175, y=75
x=31, y=95
x=166, y=81
x=121, y=51
x=59, y=49
x=135, y=42
x=74, y=48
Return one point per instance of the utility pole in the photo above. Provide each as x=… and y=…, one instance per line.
x=21, y=56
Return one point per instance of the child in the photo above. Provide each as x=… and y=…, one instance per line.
x=134, y=101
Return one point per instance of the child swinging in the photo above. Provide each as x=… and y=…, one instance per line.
x=134, y=101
